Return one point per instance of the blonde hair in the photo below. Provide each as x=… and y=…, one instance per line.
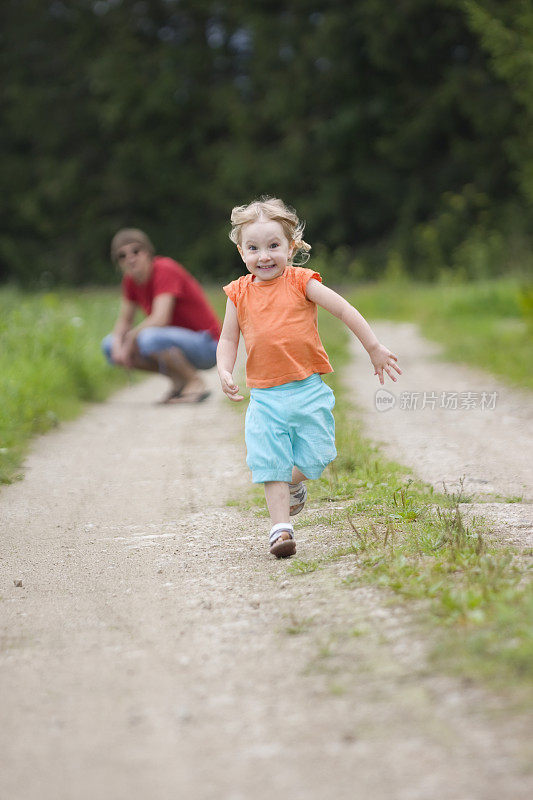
x=130, y=236
x=271, y=208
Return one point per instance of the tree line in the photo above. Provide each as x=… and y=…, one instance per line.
x=400, y=132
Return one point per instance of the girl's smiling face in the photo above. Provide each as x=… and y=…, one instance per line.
x=265, y=249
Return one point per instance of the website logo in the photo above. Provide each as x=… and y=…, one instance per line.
x=384, y=400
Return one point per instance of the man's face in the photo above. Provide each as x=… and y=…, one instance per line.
x=135, y=261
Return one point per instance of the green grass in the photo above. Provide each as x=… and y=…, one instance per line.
x=299, y=567
x=50, y=363
x=487, y=324
x=401, y=535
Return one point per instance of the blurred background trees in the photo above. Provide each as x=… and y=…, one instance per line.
x=401, y=132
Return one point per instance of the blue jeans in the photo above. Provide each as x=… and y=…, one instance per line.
x=198, y=347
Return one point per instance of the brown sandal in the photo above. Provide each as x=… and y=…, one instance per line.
x=282, y=548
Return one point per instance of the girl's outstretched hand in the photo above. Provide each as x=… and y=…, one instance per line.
x=384, y=361
x=229, y=387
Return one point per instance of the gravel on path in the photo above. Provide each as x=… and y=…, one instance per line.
x=156, y=650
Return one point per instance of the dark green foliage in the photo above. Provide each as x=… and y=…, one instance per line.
x=506, y=32
x=367, y=117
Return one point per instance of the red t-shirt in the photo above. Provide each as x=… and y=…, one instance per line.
x=191, y=309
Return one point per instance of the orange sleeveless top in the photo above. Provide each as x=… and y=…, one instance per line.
x=279, y=327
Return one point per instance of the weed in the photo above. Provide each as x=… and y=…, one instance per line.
x=299, y=567
x=297, y=626
x=405, y=504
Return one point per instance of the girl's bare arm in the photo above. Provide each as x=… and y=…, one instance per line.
x=381, y=357
x=227, y=352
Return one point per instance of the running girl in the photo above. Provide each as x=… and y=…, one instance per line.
x=289, y=428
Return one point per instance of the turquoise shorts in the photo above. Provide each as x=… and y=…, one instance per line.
x=290, y=426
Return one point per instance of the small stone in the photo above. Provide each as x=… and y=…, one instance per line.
x=18, y=582
x=348, y=738
x=183, y=714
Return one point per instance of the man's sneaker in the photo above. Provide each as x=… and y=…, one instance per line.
x=298, y=496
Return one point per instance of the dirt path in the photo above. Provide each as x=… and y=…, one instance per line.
x=155, y=650
x=487, y=440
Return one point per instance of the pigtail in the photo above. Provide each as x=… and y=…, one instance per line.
x=301, y=248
